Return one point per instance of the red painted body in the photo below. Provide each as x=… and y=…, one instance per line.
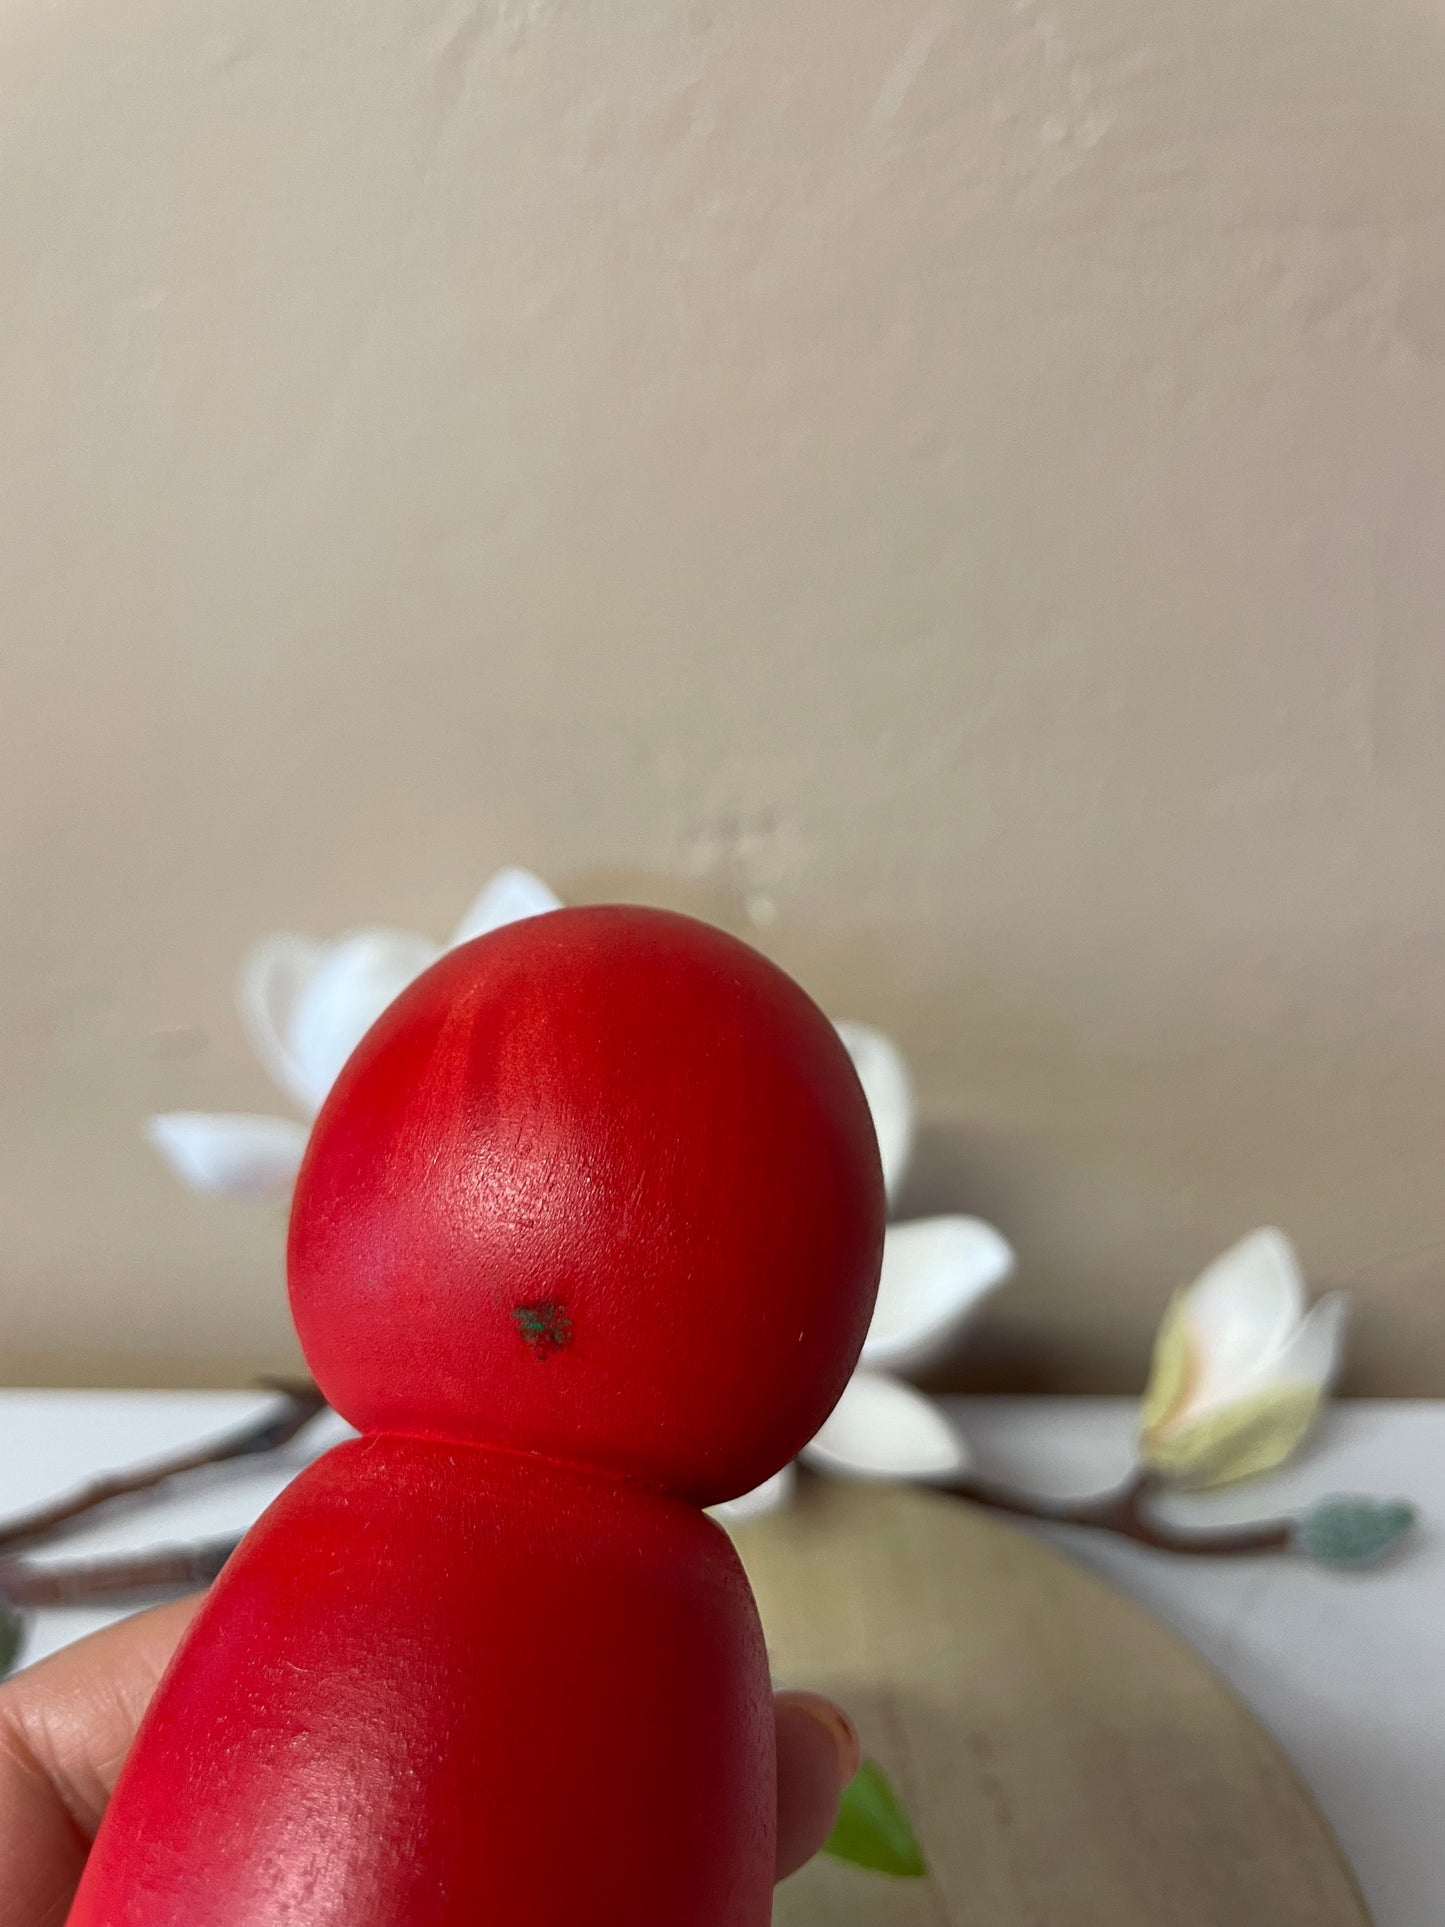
x=587, y=1235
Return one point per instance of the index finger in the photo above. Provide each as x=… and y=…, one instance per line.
x=65, y=1726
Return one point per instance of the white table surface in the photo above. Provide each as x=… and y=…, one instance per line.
x=1348, y=1670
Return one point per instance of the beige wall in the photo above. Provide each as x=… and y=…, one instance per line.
x=969, y=474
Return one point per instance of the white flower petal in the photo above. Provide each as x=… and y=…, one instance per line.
x=936, y=1271
x=357, y=977
x=1239, y=1313
x=770, y=1496
x=1315, y=1352
x=889, y=1089
x=273, y=975
x=241, y=1155
x=510, y=895
x=883, y=1429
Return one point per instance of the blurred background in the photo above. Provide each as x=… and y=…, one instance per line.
x=952, y=492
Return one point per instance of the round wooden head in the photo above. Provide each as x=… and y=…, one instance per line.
x=604, y=1186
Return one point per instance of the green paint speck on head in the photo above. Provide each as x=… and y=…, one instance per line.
x=545, y=1327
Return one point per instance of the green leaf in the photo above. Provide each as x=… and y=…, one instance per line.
x=1352, y=1532
x=873, y=1829
x=12, y=1635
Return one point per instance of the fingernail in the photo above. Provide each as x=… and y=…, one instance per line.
x=841, y=1729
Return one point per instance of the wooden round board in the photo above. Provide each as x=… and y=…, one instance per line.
x=1066, y=1762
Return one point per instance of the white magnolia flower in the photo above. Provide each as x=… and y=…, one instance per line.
x=306, y=1005
x=1241, y=1368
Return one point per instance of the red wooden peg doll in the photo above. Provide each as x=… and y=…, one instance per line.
x=586, y=1238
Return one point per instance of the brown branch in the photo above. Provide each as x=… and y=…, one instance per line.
x=155, y=1574
x=166, y=1570
x=301, y=1402
x=1123, y=1513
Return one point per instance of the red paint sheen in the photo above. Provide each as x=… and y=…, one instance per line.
x=441, y=1686
x=588, y=1233
x=632, y=1116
